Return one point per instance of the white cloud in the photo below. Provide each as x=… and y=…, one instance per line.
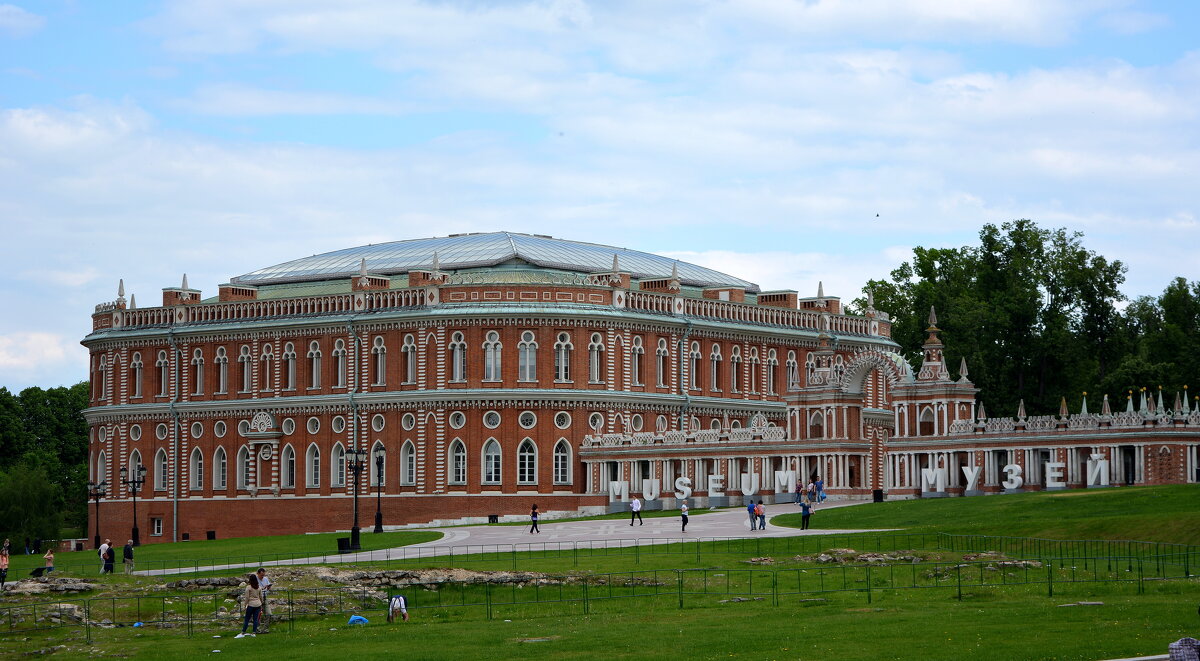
x=16, y=22
x=32, y=351
x=235, y=100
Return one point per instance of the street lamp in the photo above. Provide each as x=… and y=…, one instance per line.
x=97, y=491
x=379, y=490
x=357, y=459
x=134, y=483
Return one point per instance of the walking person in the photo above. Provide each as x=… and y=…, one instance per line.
x=127, y=557
x=253, y=603
x=49, y=557
x=635, y=511
x=799, y=491
x=533, y=518
x=110, y=556
x=753, y=516
x=683, y=514
x=761, y=513
x=264, y=584
x=820, y=489
x=3, y=565
x=103, y=554
x=811, y=489
x=806, y=509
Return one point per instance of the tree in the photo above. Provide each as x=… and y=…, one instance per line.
x=30, y=503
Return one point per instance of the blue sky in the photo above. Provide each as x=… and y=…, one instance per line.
x=759, y=137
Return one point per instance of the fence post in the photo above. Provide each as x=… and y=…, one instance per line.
x=575, y=552
x=1141, y=578
x=869, y=587
x=585, y=596
x=775, y=588
x=958, y=574
x=1050, y=578
x=291, y=612
x=87, y=620
x=488, y=598
x=637, y=551
x=679, y=586
x=189, y=615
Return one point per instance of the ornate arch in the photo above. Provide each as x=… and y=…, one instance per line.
x=891, y=365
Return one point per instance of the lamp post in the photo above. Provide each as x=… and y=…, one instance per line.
x=133, y=480
x=97, y=491
x=379, y=490
x=357, y=459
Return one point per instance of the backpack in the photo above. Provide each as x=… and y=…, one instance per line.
x=758, y=510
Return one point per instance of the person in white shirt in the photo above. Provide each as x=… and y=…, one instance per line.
x=635, y=511
x=264, y=584
x=397, y=604
x=103, y=554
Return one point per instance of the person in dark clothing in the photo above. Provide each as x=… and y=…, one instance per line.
x=110, y=556
x=127, y=556
x=805, y=512
x=533, y=517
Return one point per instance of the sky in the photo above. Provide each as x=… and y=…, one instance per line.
x=785, y=142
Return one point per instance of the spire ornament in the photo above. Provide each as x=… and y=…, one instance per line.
x=1105, y=407
x=133, y=301
x=820, y=289
x=184, y=286
x=1021, y=410
x=1083, y=408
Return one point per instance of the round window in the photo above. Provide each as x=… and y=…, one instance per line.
x=562, y=419
x=313, y=425
x=408, y=421
x=338, y=424
x=527, y=419
x=161, y=431
x=458, y=419
x=219, y=429
x=135, y=432
x=596, y=421
x=244, y=427
x=288, y=426
x=491, y=419
x=197, y=430
x=377, y=422
x=103, y=434
x=636, y=422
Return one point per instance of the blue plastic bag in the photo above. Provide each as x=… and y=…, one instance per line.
x=357, y=619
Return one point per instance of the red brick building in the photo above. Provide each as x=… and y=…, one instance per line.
x=491, y=371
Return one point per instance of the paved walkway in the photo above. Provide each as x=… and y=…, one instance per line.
x=722, y=523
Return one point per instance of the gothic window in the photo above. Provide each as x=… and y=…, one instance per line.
x=287, y=467
x=289, y=366
x=222, y=362
x=694, y=367
x=661, y=356
x=458, y=462
x=409, y=349
x=135, y=367
x=735, y=369
x=636, y=353
x=314, y=365
x=101, y=473
x=243, y=468
x=527, y=357
x=793, y=372
x=458, y=358
x=562, y=462
x=220, y=470
x=379, y=355
x=491, y=462
x=772, y=370
x=714, y=359
x=596, y=359
x=197, y=372
x=408, y=463
x=752, y=363
x=103, y=382
x=491, y=356
x=562, y=358
x=162, y=364
x=161, y=470
x=312, y=466
x=337, y=466
x=339, y=363
x=135, y=462
x=925, y=422
x=196, y=466
x=267, y=373
x=816, y=425
x=377, y=477
x=526, y=463
x=244, y=366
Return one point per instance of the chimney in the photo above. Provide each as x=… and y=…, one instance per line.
x=181, y=295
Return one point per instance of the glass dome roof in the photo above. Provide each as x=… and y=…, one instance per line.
x=468, y=251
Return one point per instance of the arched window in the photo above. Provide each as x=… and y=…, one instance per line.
x=793, y=372
x=244, y=364
x=408, y=463
x=314, y=365
x=409, y=349
x=772, y=370
x=337, y=466
x=243, y=468
x=287, y=467
x=458, y=462
x=596, y=359
x=491, y=356
x=714, y=364
x=196, y=468
x=379, y=354
x=816, y=425
x=197, y=372
x=101, y=473
x=662, y=355
x=135, y=462
x=135, y=369
x=491, y=462
x=694, y=371
x=339, y=363
x=562, y=462
x=312, y=466
x=267, y=373
x=220, y=470
x=102, y=381
x=222, y=362
x=289, y=366
x=527, y=357
x=526, y=462
x=562, y=358
x=161, y=470
x=162, y=364
x=636, y=355
x=735, y=369
x=925, y=422
x=377, y=477
x=753, y=364
x=458, y=358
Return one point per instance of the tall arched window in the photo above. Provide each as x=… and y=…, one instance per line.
x=135, y=368
x=220, y=470
x=714, y=367
x=243, y=468
x=527, y=357
x=458, y=358
x=408, y=463
x=637, y=354
x=196, y=468
x=925, y=422
x=409, y=349
x=491, y=462
x=377, y=477
x=135, y=463
x=526, y=462
x=162, y=364
x=662, y=355
x=491, y=356
x=596, y=359
x=816, y=425
x=267, y=373
x=222, y=363
x=289, y=366
x=287, y=467
x=458, y=462
x=101, y=473
x=197, y=372
x=793, y=372
x=102, y=377
x=753, y=364
x=339, y=363
x=314, y=365
x=337, y=466
x=244, y=365
x=312, y=466
x=772, y=370
x=379, y=353
x=161, y=470
x=562, y=358
x=694, y=371
x=562, y=462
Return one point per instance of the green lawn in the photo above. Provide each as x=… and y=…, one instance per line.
x=1152, y=514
